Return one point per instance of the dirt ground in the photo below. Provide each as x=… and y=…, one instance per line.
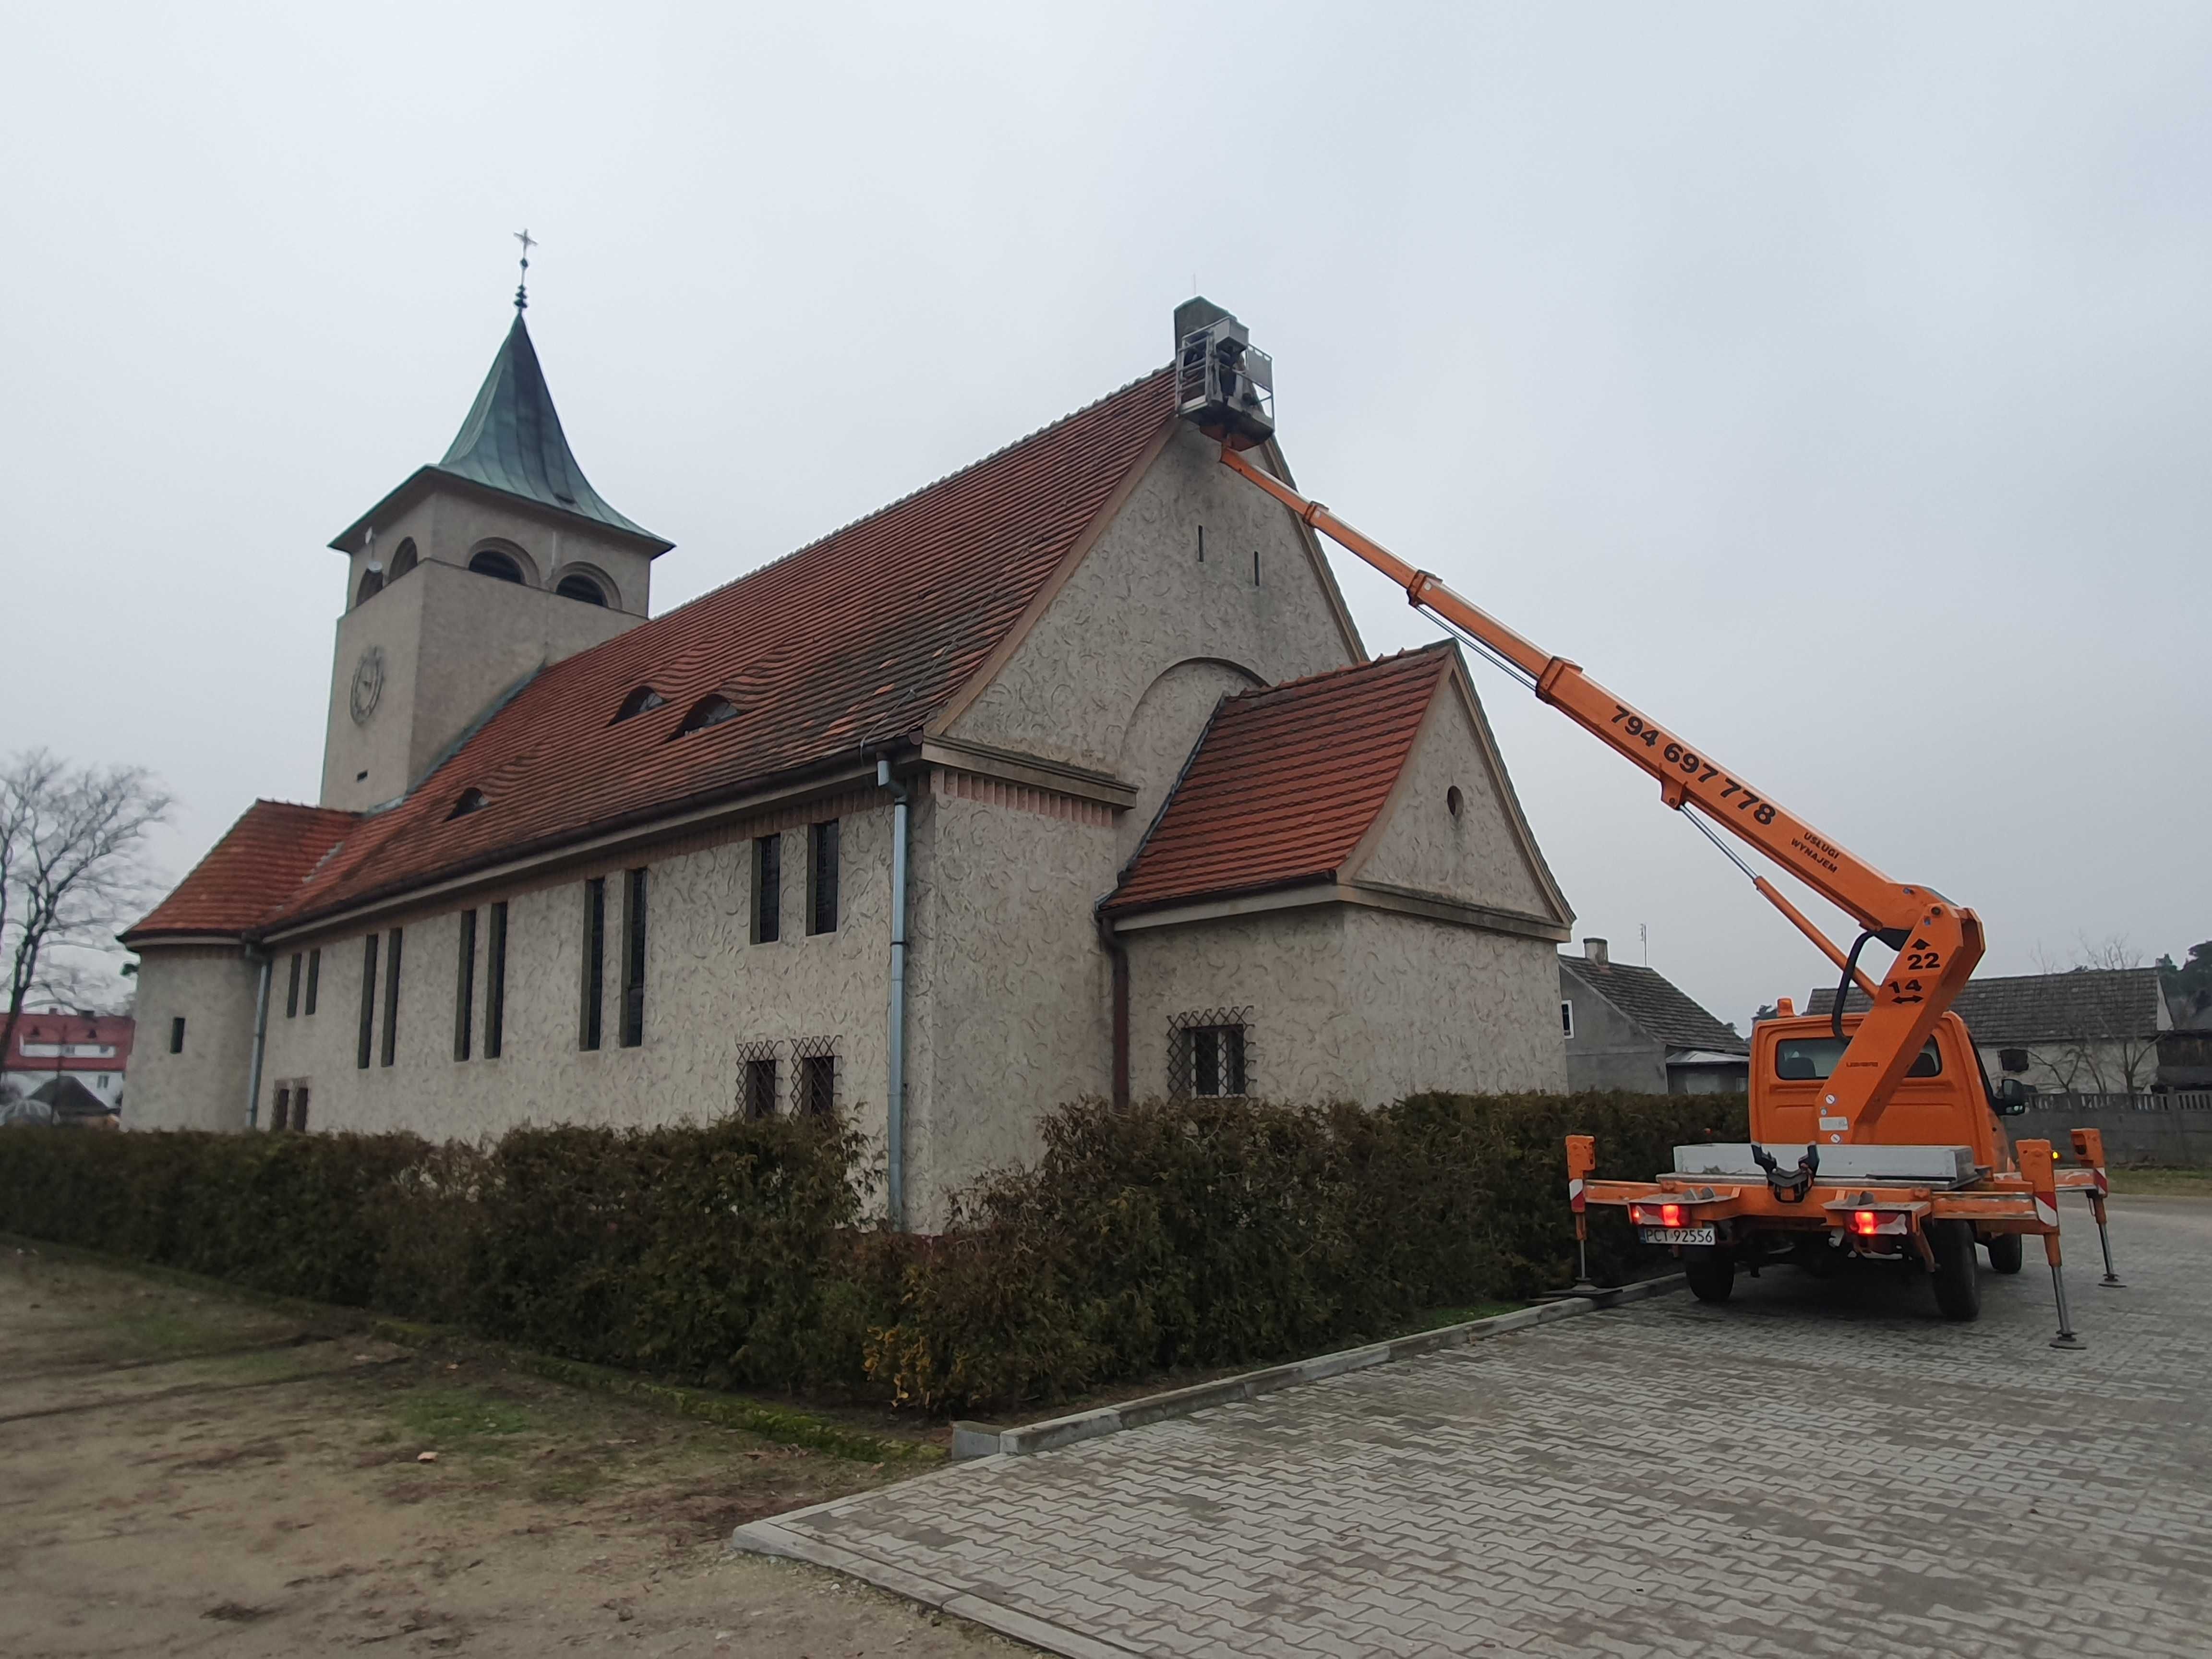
x=181, y=1473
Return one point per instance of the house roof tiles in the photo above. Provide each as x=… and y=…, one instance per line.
x=2099, y=1004
x=1284, y=782
x=1658, y=1004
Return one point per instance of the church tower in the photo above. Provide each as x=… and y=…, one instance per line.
x=471, y=576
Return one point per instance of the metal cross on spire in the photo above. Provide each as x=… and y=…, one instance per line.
x=522, y=288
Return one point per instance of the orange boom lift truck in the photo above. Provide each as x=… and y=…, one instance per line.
x=1875, y=1133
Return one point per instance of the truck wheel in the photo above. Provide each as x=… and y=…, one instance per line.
x=1710, y=1269
x=1957, y=1283
x=2004, y=1252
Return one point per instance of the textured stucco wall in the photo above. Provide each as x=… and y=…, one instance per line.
x=1608, y=1050
x=1010, y=1014
x=1354, y=1004
x=1162, y=731
x=708, y=991
x=452, y=641
x=1141, y=602
x=1474, y=856
x=204, y=1087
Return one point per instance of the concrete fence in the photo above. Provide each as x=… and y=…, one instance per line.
x=2171, y=1129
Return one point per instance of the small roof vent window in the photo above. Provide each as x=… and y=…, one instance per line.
x=638, y=702
x=707, y=711
x=471, y=801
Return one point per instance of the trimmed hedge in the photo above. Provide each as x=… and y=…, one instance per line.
x=1167, y=1234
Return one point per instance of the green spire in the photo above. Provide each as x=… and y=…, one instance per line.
x=512, y=440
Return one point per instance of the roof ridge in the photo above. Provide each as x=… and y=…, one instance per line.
x=1257, y=692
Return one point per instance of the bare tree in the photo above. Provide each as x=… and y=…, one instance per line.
x=72, y=869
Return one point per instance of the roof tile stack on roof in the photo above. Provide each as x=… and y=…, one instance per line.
x=1657, y=1003
x=864, y=635
x=1284, y=782
x=2106, y=1003
x=259, y=863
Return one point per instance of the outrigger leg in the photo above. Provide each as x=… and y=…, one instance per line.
x=1581, y=1159
x=2089, y=1148
x=2037, y=1162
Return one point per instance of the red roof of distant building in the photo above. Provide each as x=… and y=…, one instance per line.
x=259, y=862
x=1285, y=783
x=39, y=1037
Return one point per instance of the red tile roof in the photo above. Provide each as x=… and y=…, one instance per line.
x=862, y=636
x=259, y=863
x=1284, y=782
x=58, y=1028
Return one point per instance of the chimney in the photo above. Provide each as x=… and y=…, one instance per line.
x=1594, y=951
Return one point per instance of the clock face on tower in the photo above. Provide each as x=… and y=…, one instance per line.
x=367, y=684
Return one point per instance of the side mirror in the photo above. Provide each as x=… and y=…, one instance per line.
x=2011, y=1097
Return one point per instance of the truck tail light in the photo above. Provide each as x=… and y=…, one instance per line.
x=1655, y=1215
x=1866, y=1223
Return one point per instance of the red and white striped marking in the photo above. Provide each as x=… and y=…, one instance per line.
x=1575, y=1194
x=2046, y=1211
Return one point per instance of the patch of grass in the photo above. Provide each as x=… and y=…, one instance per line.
x=448, y=1416
x=2190, y=1183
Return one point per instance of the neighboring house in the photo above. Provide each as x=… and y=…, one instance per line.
x=2093, y=1030
x=90, y=1048
x=1631, y=1028
x=1166, y=828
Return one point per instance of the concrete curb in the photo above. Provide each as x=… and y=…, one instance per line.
x=971, y=1440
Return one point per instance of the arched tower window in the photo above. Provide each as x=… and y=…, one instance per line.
x=403, y=560
x=499, y=566
x=577, y=585
x=372, y=583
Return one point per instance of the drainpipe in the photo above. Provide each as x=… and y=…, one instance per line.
x=1117, y=956
x=894, y=1071
x=260, y=1038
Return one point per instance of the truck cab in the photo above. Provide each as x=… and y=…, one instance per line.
x=1944, y=1101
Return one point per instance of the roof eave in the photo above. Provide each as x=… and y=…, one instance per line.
x=419, y=484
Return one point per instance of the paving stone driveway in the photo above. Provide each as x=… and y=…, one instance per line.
x=1818, y=1468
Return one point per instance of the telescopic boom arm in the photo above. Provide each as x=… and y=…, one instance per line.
x=1937, y=943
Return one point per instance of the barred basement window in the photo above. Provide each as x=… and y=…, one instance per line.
x=1209, y=1052
x=817, y=1077
x=756, y=1079
x=314, y=980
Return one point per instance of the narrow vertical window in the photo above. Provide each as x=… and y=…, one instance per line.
x=1566, y=1019
x=280, y=1115
x=314, y=978
x=367, y=1002
x=292, y=989
x=757, y=1089
x=300, y=1109
x=632, y=961
x=390, y=998
x=595, y=955
x=465, y=988
x=767, y=890
x=176, y=1035
x=822, y=878
x=495, y=983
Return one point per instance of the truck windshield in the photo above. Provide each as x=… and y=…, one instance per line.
x=1805, y=1060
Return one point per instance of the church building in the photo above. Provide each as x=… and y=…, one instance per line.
x=1064, y=776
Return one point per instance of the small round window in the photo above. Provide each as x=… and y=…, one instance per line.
x=1454, y=800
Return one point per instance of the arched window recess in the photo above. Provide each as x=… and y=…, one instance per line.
x=638, y=702
x=579, y=586
x=403, y=560
x=500, y=567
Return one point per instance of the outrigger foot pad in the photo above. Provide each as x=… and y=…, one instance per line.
x=2068, y=1340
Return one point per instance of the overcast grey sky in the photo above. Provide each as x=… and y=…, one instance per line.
x=1829, y=380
